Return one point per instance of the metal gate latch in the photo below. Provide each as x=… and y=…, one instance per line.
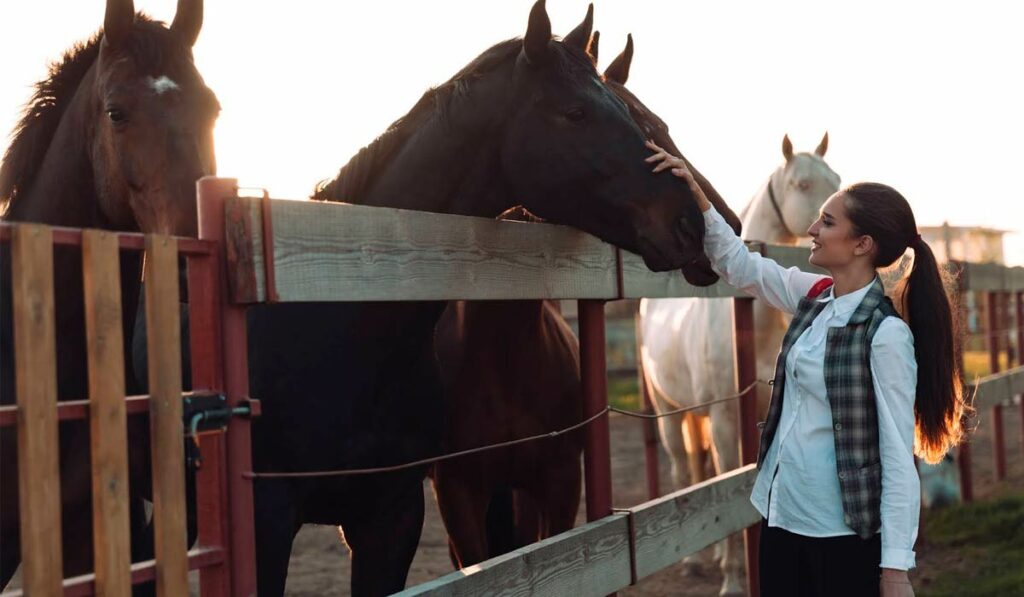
x=208, y=412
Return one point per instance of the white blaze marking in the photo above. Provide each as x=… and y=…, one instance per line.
x=162, y=84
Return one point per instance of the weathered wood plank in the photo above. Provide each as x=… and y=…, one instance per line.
x=787, y=256
x=684, y=522
x=107, y=418
x=589, y=560
x=984, y=277
x=640, y=282
x=164, y=346
x=994, y=389
x=243, y=221
x=332, y=251
x=353, y=252
x=35, y=365
x=1015, y=279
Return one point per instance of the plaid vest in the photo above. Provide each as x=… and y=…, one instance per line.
x=851, y=395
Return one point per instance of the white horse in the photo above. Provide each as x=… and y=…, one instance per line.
x=686, y=345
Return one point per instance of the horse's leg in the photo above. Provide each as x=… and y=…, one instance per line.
x=10, y=545
x=693, y=440
x=559, y=495
x=727, y=457
x=277, y=522
x=528, y=522
x=384, y=542
x=671, y=434
x=463, y=506
x=76, y=498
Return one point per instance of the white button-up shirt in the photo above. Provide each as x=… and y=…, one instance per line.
x=797, y=486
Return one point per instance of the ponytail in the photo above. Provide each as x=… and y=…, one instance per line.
x=931, y=311
x=933, y=316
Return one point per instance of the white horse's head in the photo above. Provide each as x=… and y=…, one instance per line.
x=801, y=186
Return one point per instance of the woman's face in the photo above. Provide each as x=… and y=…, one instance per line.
x=834, y=244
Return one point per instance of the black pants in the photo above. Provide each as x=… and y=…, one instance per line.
x=793, y=565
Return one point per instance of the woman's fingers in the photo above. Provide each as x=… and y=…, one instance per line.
x=667, y=163
x=661, y=155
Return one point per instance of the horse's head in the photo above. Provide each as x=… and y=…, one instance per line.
x=653, y=127
x=154, y=119
x=802, y=185
x=573, y=154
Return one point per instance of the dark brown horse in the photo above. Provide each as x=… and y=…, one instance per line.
x=114, y=138
x=510, y=369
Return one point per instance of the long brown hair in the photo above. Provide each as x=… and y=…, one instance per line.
x=932, y=312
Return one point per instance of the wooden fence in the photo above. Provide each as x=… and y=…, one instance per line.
x=305, y=251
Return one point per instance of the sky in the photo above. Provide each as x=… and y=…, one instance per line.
x=925, y=96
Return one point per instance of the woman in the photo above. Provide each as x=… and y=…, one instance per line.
x=837, y=488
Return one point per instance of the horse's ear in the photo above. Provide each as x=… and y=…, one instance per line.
x=787, y=148
x=595, y=39
x=823, y=146
x=580, y=36
x=538, y=34
x=188, y=20
x=618, y=70
x=117, y=23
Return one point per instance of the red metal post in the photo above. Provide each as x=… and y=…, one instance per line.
x=992, y=300
x=964, y=450
x=746, y=374
x=597, y=464
x=207, y=374
x=650, y=429
x=1020, y=359
x=242, y=546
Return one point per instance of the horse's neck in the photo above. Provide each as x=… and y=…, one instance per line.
x=761, y=222
x=63, y=192
x=450, y=165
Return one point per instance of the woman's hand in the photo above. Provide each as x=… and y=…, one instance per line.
x=896, y=583
x=665, y=160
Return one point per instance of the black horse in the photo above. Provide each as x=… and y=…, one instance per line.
x=528, y=122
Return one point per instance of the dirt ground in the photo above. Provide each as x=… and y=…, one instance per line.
x=319, y=564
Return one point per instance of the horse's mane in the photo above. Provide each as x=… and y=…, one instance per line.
x=34, y=132
x=355, y=177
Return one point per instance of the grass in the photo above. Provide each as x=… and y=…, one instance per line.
x=976, y=364
x=980, y=547
x=623, y=393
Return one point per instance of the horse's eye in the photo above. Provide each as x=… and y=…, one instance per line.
x=576, y=115
x=117, y=116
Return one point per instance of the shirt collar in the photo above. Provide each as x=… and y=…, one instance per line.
x=848, y=302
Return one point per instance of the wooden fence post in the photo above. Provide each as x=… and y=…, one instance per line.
x=108, y=422
x=35, y=363
x=165, y=412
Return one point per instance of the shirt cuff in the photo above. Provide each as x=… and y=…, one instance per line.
x=711, y=216
x=898, y=559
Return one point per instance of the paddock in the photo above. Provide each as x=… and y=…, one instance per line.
x=260, y=250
